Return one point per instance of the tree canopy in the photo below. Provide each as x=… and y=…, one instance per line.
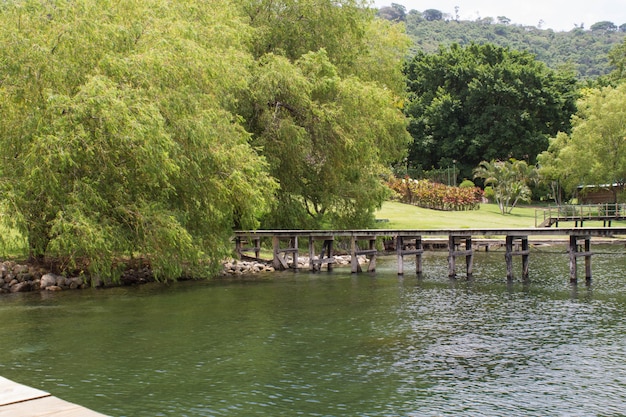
x=327, y=113
x=585, y=51
x=483, y=102
x=595, y=151
x=152, y=129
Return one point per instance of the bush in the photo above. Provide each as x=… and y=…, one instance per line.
x=427, y=194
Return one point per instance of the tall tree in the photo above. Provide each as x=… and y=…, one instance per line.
x=117, y=135
x=328, y=140
x=325, y=108
x=595, y=152
x=484, y=102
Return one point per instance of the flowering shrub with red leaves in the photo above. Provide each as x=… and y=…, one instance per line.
x=427, y=194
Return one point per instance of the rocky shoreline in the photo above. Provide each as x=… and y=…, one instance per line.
x=16, y=277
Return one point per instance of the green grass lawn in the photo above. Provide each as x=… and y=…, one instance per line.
x=406, y=216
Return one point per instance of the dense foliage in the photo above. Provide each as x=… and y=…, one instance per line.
x=584, y=50
x=151, y=129
x=432, y=195
x=326, y=109
x=595, y=151
x=483, y=102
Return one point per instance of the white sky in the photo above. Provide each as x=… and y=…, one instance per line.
x=559, y=15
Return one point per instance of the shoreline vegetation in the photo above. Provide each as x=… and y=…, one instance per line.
x=20, y=276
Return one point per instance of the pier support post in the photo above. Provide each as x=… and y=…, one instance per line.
x=326, y=255
x=406, y=247
x=524, y=253
x=356, y=251
x=579, y=245
x=454, y=250
x=281, y=259
x=240, y=249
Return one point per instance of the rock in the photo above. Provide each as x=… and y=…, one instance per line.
x=21, y=287
x=24, y=276
x=48, y=280
x=20, y=269
x=53, y=288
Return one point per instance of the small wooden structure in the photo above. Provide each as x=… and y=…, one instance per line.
x=17, y=400
x=411, y=242
x=579, y=214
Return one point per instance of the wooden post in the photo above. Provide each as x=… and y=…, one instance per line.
x=469, y=257
x=451, y=257
x=574, y=253
x=238, y=246
x=326, y=255
x=517, y=250
x=454, y=243
x=399, y=253
x=508, y=256
x=588, y=259
x=312, y=266
x=356, y=251
x=525, y=258
x=276, y=253
x=371, y=267
x=354, y=261
x=280, y=260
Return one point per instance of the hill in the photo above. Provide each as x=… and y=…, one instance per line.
x=585, y=50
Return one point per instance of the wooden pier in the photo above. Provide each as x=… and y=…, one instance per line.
x=579, y=214
x=17, y=400
x=363, y=243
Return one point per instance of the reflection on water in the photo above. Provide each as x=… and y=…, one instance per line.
x=334, y=344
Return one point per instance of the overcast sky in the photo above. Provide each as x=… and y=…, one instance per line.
x=556, y=14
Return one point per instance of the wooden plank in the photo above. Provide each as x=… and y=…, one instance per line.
x=12, y=392
x=17, y=400
x=46, y=407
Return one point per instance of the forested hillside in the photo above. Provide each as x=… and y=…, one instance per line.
x=585, y=49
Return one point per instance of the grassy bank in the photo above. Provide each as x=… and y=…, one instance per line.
x=406, y=216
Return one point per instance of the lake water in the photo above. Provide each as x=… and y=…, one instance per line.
x=335, y=344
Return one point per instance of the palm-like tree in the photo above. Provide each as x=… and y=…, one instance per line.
x=509, y=181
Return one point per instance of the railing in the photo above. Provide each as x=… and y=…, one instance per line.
x=607, y=211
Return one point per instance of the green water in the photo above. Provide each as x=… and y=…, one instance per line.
x=300, y=344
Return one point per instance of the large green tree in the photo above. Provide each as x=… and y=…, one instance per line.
x=325, y=108
x=328, y=139
x=484, y=102
x=595, y=151
x=118, y=135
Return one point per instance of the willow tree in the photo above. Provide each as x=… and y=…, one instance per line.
x=325, y=107
x=328, y=141
x=117, y=132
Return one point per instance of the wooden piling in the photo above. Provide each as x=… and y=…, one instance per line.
x=326, y=255
x=454, y=250
x=240, y=249
x=579, y=245
x=511, y=251
x=406, y=246
x=356, y=251
x=281, y=255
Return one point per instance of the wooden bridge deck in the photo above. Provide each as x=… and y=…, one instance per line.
x=17, y=400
